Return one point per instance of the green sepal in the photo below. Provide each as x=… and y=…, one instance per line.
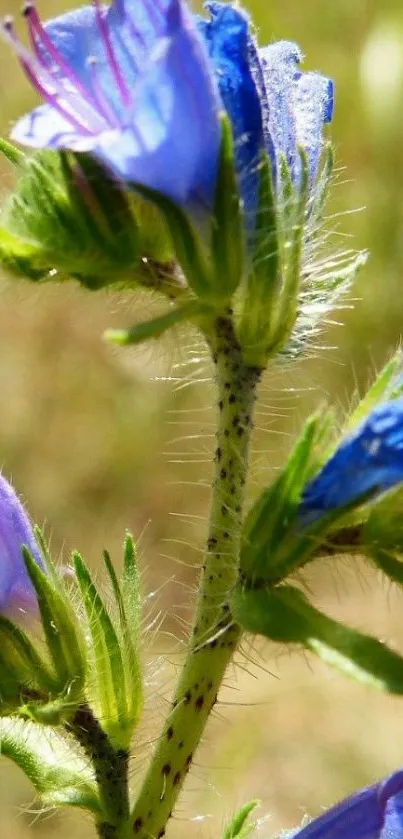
x=60, y=775
x=107, y=688
x=262, y=283
x=190, y=252
x=127, y=597
x=67, y=217
x=387, y=385
x=240, y=827
x=62, y=634
x=272, y=544
x=228, y=224
x=11, y=153
x=19, y=654
x=292, y=223
x=285, y=615
x=156, y=327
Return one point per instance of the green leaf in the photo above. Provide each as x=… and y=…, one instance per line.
x=57, y=770
x=61, y=631
x=240, y=827
x=107, y=683
x=228, y=233
x=285, y=615
x=157, y=326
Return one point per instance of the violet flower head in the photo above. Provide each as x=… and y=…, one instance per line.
x=140, y=85
x=367, y=463
x=16, y=591
x=131, y=84
x=375, y=812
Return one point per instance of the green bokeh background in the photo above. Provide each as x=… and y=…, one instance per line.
x=97, y=440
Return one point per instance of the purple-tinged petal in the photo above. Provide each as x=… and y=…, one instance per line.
x=367, y=463
x=375, y=812
x=16, y=591
x=357, y=817
x=132, y=84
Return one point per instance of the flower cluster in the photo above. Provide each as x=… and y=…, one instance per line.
x=140, y=85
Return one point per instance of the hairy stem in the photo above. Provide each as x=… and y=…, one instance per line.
x=214, y=636
x=111, y=771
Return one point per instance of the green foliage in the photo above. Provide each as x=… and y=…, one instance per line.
x=240, y=827
x=228, y=223
x=272, y=544
x=54, y=765
x=192, y=310
x=68, y=218
x=114, y=685
x=285, y=615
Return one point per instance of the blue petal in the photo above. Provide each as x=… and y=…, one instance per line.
x=313, y=107
x=280, y=63
x=369, y=461
x=393, y=818
x=228, y=39
x=357, y=817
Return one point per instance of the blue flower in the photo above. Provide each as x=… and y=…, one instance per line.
x=140, y=84
x=375, y=812
x=368, y=462
x=272, y=105
x=131, y=84
x=16, y=591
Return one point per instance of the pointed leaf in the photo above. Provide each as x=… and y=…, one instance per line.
x=240, y=827
x=60, y=628
x=108, y=679
x=286, y=616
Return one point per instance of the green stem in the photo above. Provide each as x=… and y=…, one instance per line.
x=214, y=635
x=111, y=771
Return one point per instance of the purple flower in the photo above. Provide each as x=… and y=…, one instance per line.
x=130, y=83
x=140, y=84
x=16, y=591
x=375, y=812
x=368, y=462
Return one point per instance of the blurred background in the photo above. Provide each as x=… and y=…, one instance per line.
x=98, y=440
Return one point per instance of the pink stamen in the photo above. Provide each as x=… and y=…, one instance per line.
x=39, y=37
x=47, y=86
x=101, y=99
x=104, y=32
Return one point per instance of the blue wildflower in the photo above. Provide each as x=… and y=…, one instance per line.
x=140, y=85
x=368, y=462
x=272, y=105
x=130, y=83
x=16, y=591
x=375, y=812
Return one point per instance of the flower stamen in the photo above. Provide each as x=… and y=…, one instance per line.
x=110, y=52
